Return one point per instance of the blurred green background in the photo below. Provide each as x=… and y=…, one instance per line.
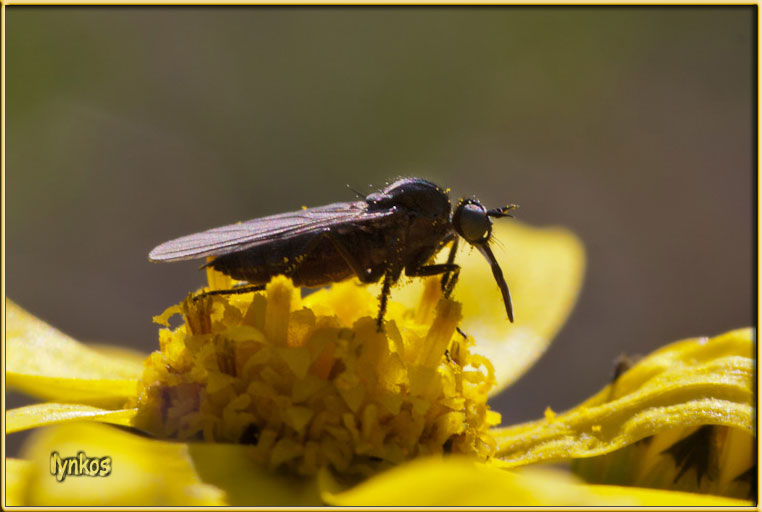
x=633, y=127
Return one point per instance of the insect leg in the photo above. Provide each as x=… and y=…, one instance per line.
x=385, y=291
x=432, y=270
x=448, y=279
x=449, y=269
x=391, y=274
x=232, y=291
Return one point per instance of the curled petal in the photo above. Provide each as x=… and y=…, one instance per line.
x=686, y=384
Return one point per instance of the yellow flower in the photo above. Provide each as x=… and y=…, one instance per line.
x=271, y=399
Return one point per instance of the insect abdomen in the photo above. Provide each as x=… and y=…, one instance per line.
x=305, y=259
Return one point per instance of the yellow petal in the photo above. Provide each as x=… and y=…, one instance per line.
x=16, y=477
x=246, y=483
x=543, y=269
x=44, y=362
x=38, y=415
x=713, y=458
x=661, y=498
x=124, y=355
x=151, y=472
x=460, y=481
x=689, y=383
x=138, y=471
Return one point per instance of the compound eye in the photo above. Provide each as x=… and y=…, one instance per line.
x=472, y=223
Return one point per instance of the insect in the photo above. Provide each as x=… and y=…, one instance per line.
x=376, y=237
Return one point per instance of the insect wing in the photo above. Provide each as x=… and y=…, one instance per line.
x=243, y=235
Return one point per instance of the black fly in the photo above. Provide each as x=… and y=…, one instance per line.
x=400, y=228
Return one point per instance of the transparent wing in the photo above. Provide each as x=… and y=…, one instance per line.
x=243, y=235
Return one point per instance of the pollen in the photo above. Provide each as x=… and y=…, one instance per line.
x=308, y=383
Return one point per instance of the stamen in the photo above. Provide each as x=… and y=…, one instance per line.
x=277, y=311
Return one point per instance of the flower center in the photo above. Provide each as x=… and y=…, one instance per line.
x=307, y=383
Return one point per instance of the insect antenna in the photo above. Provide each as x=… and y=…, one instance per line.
x=503, y=211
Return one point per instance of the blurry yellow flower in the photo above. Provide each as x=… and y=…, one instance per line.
x=271, y=399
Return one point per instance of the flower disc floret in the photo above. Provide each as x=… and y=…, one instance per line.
x=308, y=386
